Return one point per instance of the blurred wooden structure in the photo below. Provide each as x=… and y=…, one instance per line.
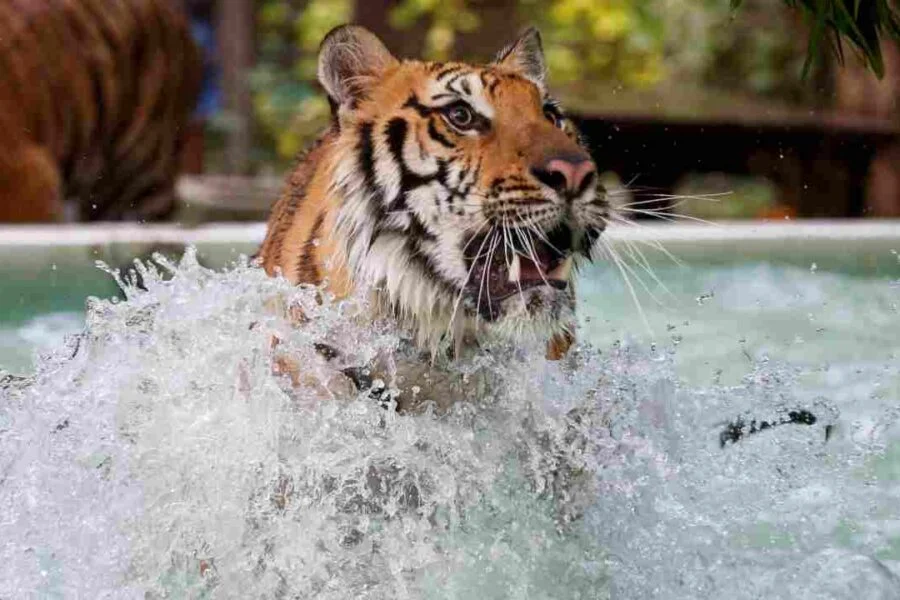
x=207, y=198
x=236, y=27
x=858, y=92
x=819, y=162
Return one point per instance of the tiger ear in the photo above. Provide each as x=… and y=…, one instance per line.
x=350, y=58
x=526, y=57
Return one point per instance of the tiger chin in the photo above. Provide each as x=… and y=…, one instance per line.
x=458, y=195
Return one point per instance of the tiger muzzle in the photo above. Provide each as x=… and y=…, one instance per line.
x=514, y=261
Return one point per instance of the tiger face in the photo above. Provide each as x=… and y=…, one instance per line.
x=462, y=192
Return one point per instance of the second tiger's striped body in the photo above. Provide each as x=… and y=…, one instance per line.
x=95, y=96
x=459, y=194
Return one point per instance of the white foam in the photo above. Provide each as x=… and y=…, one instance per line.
x=166, y=460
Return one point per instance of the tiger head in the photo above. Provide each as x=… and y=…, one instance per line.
x=461, y=192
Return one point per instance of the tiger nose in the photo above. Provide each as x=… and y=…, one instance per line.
x=568, y=175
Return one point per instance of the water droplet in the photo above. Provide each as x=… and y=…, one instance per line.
x=703, y=298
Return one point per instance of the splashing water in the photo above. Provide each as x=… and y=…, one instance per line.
x=158, y=455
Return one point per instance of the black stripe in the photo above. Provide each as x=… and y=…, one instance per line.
x=367, y=154
x=438, y=136
x=396, y=131
x=417, y=229
x=396, y=136
x=367, y=165
x=449, y=84
x=448, y=71
x=306, y=269
x=501, y=189
x=413, y=103
x=417, y=256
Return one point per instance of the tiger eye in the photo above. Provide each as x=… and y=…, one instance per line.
x=461, y=115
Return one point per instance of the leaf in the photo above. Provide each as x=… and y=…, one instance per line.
x=863, y=24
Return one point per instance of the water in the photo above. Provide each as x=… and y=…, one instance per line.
x=158, y=456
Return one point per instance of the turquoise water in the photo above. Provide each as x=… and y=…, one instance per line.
x=165, y=460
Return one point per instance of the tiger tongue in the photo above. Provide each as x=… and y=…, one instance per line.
x=537, y=264
x=528, y=270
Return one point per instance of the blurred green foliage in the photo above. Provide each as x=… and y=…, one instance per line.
x=446, y=18
x=289, y=108
x=609, y=39
x=742, y=46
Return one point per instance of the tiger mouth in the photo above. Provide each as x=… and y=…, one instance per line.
x=502, y=266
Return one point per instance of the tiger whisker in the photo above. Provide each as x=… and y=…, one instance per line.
x=508, y=243
x=669, y=216
x=638, y=256
x=462, y=289
x=614, y=218
x=487, y=268
x=484, y=273
x=618, y=262
x=529, y=246
x=474, y=237
x=637, y=276
x=681, y=198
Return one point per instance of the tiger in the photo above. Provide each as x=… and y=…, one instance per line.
x=95, y=97
x=459, y=196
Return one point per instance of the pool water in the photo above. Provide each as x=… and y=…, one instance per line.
x=160, y=457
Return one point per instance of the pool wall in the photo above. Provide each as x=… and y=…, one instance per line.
x=829, y=242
